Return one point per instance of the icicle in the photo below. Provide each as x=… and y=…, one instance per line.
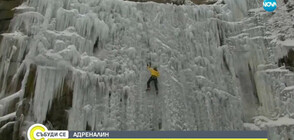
x=48, y=84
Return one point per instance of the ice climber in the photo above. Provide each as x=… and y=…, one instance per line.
x=154, y=75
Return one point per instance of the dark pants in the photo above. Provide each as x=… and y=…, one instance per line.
x=152, y=78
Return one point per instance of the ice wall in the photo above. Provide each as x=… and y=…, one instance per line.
x=81, y=65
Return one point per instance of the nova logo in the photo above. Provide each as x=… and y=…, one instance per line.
x=269, y=5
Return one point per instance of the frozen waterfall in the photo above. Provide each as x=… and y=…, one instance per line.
x=81, y=65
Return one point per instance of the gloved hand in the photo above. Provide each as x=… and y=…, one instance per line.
x=149, y=64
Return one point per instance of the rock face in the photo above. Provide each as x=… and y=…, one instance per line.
x=204, y=1
x=179, y=2
x=6, y=13
x=81, y=65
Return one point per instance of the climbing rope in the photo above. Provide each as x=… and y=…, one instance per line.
x=145, y=28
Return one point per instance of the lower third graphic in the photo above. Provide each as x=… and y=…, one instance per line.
x=40, y=132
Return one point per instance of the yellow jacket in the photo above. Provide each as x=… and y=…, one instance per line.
x=153, y=72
